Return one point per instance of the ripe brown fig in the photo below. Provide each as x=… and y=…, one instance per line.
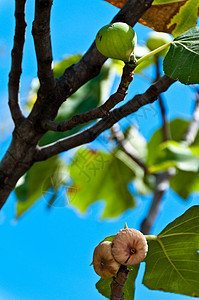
x=103, y=261
x=129, y=247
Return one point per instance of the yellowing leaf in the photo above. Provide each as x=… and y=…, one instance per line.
x=159, y=16
x=171, y=16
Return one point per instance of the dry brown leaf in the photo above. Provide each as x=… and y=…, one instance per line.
x=158, y=16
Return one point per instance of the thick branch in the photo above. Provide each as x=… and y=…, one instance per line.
x=92, y=132
x=16, y=68
x=42, y=41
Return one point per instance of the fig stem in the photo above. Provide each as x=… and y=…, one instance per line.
x=151, y=237
x=157, y=50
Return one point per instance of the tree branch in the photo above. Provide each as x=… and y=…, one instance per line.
x=92, y=132
x=21, y=153
x=165, y=128
x=42, y=41
x=99, y=112
x=117, y=284
x=126, y=146
x=78, y=74
x=162, y=185
x=16, y=64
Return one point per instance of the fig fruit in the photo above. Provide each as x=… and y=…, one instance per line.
x=129, y=247
x=103, y=261
x=116, y=40
x=158, y=39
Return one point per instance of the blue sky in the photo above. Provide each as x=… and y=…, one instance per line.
x=46, y=255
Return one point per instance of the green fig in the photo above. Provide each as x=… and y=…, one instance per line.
x=158, y=39
x=116, y=40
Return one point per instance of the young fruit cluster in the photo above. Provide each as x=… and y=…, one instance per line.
x=129, y=247
x=116, y=40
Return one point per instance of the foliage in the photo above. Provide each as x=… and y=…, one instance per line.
x=130, y=166
x=182, y=60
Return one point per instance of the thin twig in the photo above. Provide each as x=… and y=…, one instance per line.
x=126, y=147
x=90, y=134
x=192, y=130
x=16, y=65
x=99, y=112
x=165, y=128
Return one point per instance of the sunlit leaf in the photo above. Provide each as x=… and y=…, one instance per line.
x=172, y=263
x=100, y=176
x=173, y=154
x=177, y=128
x=182, y=59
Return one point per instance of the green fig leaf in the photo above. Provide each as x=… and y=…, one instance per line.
x=177, y=128
x=100, y=176
x=172, y=263
x=182, y=60
x=173, y=154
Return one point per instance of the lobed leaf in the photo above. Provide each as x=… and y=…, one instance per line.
x=100, y=176
x=182, y=60
x=172, y=263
